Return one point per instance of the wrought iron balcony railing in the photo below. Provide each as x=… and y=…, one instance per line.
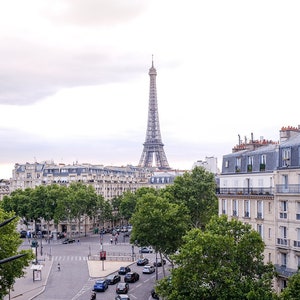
x=246, y=191
x=288, y=189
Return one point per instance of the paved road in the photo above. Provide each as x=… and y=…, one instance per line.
x=74, y=282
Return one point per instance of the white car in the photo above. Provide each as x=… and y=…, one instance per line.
x=148, y=269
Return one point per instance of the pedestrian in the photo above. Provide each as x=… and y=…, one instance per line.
x=111, y=240
x=58, y=266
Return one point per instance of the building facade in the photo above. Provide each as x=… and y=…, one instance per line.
x=260, y=185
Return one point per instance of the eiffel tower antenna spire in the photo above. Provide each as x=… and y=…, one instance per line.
x=153, y=146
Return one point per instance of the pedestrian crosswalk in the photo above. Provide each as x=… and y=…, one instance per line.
x=69, y=258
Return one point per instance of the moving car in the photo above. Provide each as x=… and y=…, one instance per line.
x=159, y=262
x=23, y=234
x=113, y=278
x=124, y=270
x=146, y=250
x=68, y=241
x=142, y=261
x=131, y=277
x=122, y=288
x=100, y=286
x=148, y=269
x=122, y=297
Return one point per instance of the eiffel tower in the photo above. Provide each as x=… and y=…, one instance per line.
x=153, y=145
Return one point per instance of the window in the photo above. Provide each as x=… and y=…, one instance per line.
x=283, y=209
x=259, y=209
x=235, y=208
x=283, y=258
x=224, y=206
x=283, y=232
x=226, y=164
x=286, y=153
x=285, y=180
x=247, y=209
x=298, y=210
x=260, y=229
x=238, y=164
x=250, y=164
x=269, y=233
x=262, y=164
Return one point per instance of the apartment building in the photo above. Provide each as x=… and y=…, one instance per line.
x=108, y=181
x=260, y=185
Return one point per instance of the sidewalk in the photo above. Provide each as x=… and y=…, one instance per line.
x=26, y=288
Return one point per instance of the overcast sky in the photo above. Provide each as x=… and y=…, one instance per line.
x=74, y=83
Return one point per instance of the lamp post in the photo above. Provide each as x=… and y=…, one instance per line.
x=156, y=269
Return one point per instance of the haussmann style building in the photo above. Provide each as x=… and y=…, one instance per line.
x=260, y=185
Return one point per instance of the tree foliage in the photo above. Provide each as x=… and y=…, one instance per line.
x=223, y=262
x=197, y=191
x=10, y=242
x=159, y=223
x=292, y=291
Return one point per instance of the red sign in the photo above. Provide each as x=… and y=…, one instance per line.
x=102, y=255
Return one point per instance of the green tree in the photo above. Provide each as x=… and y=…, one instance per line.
x=197, y=190
x=80, y=203
x=292, y=291
x=19, y=202
x=10, y=243
x=159, y=223
x=223, y=262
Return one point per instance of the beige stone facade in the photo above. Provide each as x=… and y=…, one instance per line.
x=260, y=185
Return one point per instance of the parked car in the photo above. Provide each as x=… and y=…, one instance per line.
x=159, y=262
x=131, y=277
x=148, y=269
x=23, y=234
x=146, y=250
x=113, y=279
x=100, y=286
x=154, y=295
x=68, y=241
x=122, y=297
x=122, y=288
x=142, y=261
x=124, y=270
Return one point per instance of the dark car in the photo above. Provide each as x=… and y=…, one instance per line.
x=122, y=288
x=23, y=234
x=122, y=297
x=154, y=295
x=68, y=241
x=100, y=286
x=131, y=277
x=113, y=279
x=159, y=263
x=142, y=261
x=124, y=270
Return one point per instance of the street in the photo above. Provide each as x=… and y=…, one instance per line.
x=73, y=281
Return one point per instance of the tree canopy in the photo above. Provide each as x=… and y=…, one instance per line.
x=159, y=223
x=223, y=262
x=10, y=242
x=197, y=191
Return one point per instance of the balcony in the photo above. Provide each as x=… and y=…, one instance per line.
x=246, y=191
x=288, y=189
x=283, y=215
x=283, y=242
